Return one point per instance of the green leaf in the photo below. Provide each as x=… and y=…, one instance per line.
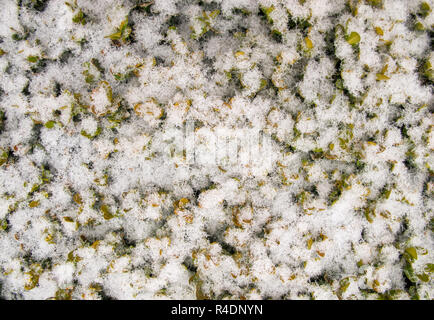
x=429, y=267
x=353, y=38
x=122, y=33
x=35, y=188
x=266, y=12
x=419, y=26
x=411, y=252
x=33, y=204
x=123, y=25
x=126, y=32
x=344, y=284
x=375, y=3
x=115, y=36
x=423, y=277
x=379, y=31
x=425, y=9
x=68, y=219
x=79, y=18
x=106, y=211
x=50, y=124
x=63, y=294
x=412, y=291
x=381, y=76
x=33, y=59
x=4, y=156
x=3, y=224
x=91, y=136
x=309, y=43
x=409, y=273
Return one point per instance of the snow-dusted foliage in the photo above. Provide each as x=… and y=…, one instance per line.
x=216, y=149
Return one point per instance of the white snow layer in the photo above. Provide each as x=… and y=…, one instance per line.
x=219, y=149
